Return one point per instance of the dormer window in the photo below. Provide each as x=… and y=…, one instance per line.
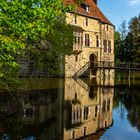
x=87, y=8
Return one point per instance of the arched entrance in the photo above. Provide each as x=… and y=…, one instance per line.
x=92, y=60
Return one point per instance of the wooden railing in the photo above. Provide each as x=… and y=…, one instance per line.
x=108, y=65
x=118, y=65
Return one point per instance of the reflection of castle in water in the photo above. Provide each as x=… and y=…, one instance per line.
x=87, y=108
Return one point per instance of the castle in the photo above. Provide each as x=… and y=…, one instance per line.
x=94, y=39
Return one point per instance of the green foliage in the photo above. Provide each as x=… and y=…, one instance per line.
x=25, y=23
x=117, y=44
x=127, y=43
x=62, y=37
x=134, y=27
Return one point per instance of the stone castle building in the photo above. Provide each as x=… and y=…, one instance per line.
x=94, y=39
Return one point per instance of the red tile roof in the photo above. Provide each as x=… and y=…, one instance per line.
x=94, y=12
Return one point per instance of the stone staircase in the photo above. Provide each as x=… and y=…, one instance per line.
x=81, y=70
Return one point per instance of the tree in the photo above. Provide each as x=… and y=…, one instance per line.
x=129, y=53
x=117, y=42
x=120, y=49
x=127, y=43
x=24, y=23
x=134, y=28
x=123, y=33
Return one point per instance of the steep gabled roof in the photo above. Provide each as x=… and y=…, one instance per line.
x=94, y=12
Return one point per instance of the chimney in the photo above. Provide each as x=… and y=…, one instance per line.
x=95, y=1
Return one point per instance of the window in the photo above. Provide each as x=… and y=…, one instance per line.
x=75, y=96
x=108, y=105
x=73, y=134
x=87, y=8
x=85, y=131
x=86, y=23
x=107, y=27
x=105, y=45
x=104, y=106
x=29, y=112
x=78, y=40
x=87, y=41
x=97, y=41
x=74, y=19
x=76, y=58
x=86, y=111
x=96, y=110
x=109, y=46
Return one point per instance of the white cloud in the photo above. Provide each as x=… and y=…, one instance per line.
x=134, y=2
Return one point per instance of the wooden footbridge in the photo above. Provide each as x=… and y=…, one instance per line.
x=130, y=66
x=115, y=65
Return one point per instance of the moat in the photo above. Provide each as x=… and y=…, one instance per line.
x=101, y=108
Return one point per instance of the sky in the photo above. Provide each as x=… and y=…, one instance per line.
x=118, y=10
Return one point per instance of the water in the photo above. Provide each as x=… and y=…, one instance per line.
x=105, y=108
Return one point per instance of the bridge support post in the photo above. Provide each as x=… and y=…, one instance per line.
x=129, y=78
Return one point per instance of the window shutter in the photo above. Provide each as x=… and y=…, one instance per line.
x=90, y=42
x=99, y=43
x=84, y=40
x=73, y=20
x=102, y=47
x=84, y=23
x=105, y=28
x=89, y=110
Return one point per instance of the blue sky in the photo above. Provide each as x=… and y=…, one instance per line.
x=118, y=10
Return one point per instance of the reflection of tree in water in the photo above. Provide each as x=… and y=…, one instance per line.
x=12, y=121
x=10, y=117
x=12, y=126
x=132, y=104
x=131, y=101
